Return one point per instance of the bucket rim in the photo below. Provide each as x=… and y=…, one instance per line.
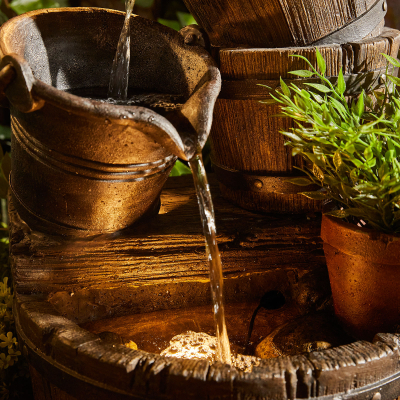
x=135, y=116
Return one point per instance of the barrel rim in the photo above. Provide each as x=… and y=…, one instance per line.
x=40, y=316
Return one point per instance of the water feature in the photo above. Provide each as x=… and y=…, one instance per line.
x=118, y=88
x=213, y=255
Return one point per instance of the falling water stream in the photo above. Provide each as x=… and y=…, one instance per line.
x=118, y=90
x=118, y=87
x=213, y=256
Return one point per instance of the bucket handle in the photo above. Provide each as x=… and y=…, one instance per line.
x=17, y=82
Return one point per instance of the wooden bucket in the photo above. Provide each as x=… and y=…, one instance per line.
x=60, y=284
x=283, y=23
x=248, y=151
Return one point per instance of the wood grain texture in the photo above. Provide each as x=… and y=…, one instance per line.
x=245, y=134
x=73, y=363
x=44, y=390
x=393, y=15
x=273, y=23
x=161, y=263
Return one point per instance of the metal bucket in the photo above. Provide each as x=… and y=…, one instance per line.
x=81, y=166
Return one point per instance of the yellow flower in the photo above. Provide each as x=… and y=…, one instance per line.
x=5, y=361
x=8, y=341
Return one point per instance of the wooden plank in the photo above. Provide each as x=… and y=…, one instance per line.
x=166, y=255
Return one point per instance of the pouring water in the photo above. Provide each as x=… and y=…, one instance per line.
x=118, y=90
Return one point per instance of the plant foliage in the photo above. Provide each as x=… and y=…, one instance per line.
x=351, y=147
x=22, y=6
x=14, y=376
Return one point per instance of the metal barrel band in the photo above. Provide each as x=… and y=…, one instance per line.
x=238, y=180
x=254, y=89
x=357, y=29
x=86, y=168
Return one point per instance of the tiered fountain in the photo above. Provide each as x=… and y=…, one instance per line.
x=97, y=263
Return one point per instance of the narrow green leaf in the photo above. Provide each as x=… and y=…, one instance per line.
x=339, y=107
x=317, y=98
x=319, y=87
x=337, y=159
x=285, y=89
x=360, y=105
x=337, y=213
x=318, y=172
x=371, y=163
x=394, y=189
x=394, y=79
x=392, y=60
x=349, y=191
x=321, y=62
x=316, y=159
x=341, y=84
x=292, y=136
x=356, y=212
x=303, y=73
x=390, y=155
x=368, y=153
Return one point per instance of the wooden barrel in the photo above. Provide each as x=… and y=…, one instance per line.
x=283, y=23
x=248, y=151
x=61, y=283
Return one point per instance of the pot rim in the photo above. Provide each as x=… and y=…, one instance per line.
x=378, y=247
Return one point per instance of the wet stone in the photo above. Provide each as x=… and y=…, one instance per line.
x=200, y=346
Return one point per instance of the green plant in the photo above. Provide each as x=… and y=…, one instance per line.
x=351, y=147
x=22, y=6
x=14, y=375
x=182, y=19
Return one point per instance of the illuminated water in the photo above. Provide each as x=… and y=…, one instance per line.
x=118, y=90
x=213, y=256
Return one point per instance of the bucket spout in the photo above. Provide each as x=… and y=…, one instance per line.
x=193, y=121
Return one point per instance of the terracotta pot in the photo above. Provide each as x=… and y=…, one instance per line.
x=364, y=271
